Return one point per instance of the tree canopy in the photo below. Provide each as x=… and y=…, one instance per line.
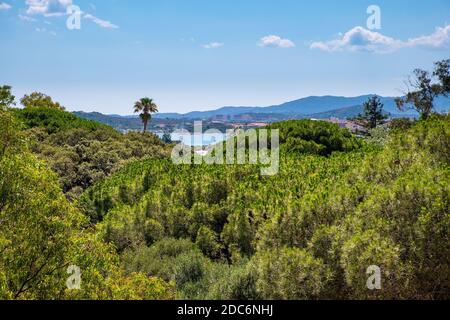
x=424, y=88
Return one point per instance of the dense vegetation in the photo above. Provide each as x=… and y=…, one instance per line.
x=314, y=137
x=41, y=234
x=81, y=151
x=309, y=232
x=141, y=227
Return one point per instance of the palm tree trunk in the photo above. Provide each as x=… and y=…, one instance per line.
x=145, y=126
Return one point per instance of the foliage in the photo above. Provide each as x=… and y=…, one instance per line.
x=40, y=100
x=54, y=120
x=6, y=97
x=426, y=88
x=146, y=228
x=166, y=138
x=290, y=273
x=171, y=259
x=401, y=124
x=314, y=137
x=373, y=114
x=41, y=234
x=309, y=232
x=379, y=136
x=80, y=151
x=145, y=107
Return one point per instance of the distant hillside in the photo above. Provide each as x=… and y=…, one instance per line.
x=115, y=121
x=301, y=107
x=311, y=107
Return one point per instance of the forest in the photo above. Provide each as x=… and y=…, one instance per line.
x=74, y=192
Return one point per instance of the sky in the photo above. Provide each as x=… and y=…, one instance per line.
x=203, y=54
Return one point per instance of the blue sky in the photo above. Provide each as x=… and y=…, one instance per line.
x=202, y=54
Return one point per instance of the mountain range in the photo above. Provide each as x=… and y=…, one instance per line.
x=310, y=107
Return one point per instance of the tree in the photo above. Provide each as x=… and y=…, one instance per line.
x=442, y=72
x=6, y=98
x=426, y=88
x=40, y=100
x=373, y=113
x=41, y=234
x=289, y=274
x=166, y=138
x=145, y=107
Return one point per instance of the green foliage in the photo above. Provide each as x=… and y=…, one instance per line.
x=314, y=137
x=166, y=138
x=53, y=120
x=11, y=139
x=373, y=114
x=80, y=151
x=40, y=100
x=289, y=274
x=171, y=259
x=379, y=136
x=6, y=98
x=401, y=124
x=41, y=234
x=145, y=107
x=309, y=232
x=426, y=88
x=146, y=228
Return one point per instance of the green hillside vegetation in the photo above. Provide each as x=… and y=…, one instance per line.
x=41, y=234
x=309, y=232
x=75, y=192
x=314, y=137
x=54, y=120
x=80, y=151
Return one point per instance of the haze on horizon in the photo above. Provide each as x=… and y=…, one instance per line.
x=202, y=55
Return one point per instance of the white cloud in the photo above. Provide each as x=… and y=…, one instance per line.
x=44, y=30
x=48, y=7
x=100, y=22
x=52, y=8
x=26, y=18
x=440, y=38
x=275, y=41
x=213, y=45
x=361, y=39
x=5, y=6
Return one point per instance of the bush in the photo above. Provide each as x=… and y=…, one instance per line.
x=289, y=274
x=315, y=137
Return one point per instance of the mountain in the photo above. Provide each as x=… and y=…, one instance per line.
x=117, y=122
x=301, y=107
x=310, y=107
x=342, y=113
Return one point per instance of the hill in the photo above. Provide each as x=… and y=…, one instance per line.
x=303, y=107
x=310, y=232
x=311, y=107
x=82, y=151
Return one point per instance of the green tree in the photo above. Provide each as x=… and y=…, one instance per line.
x=145, y=107
x=41, y=234
x=6, y=97
x=373, y=113
x=166, y=138
x=40, y=100
x=426, y=88
x=290, y=273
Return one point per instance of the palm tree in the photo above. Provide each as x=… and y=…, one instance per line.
x=145, y=107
